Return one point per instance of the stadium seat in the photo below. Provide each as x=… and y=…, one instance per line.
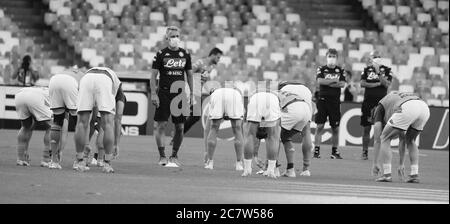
x=406, y=88
x=434, y=102
x=443, y=26
x=221, y=21
x=96, y=34
x=55, y=69
x=270, y=75
x=88, y=53
x=277, y=57
x=365, y=48
x=225, y=60
x=4, y=62
x=263, y=29
x=258, y=9
x=444, y=58
x=63, y=11
x=126, y=48
x=390, y=29
x=358, y=67
x=156, y=16
x=194, y=46
x=416, y=60
x=388, y=9
x=404, y=33
x=403, y=10
x=438, y=91
x=436, y=71
x=115, y=8
x=208, y=2
x=293, y=18
x=405, y=72
x=355, y=34
x=355, y=54
x=148, y=56
x=423, y=17
x=97, y=61
x=95, y=20
x=255, y=62
x=427, y=51
x=427, y=5
x=260, y=43
x=337, y=33
x=263, y=17
x=126, y=61
x=445, y=103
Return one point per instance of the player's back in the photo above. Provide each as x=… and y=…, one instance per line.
x=392, y=102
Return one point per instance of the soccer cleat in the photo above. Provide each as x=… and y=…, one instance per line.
x=413, y=179
x=22, y=163
x=365, y=155
x=271, y=174
x=316, y=154
x=100, y=163
x=289, y=173
x=261, y=172
x=401, y=173
x=305, y=173
x=239, y=166
x=277, y=172
x=107, y=168
x=335, y=155
x=80, y=166
x=376, y=171
x=44, y=164
x=54, y=165
x=209, y=165
x=93, y=162
x=247, y=172
x=384, y=178
x=162, y=161
x=173, y=162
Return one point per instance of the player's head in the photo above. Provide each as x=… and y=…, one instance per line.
x=332, y=56
x=173, y=36
x=215, y=54
x=375, y=58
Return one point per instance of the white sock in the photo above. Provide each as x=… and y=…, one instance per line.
x=271, y=165
x=387, y=169
x=414, y=169
x=248, y=164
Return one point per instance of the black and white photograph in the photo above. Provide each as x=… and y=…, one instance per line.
x=224, y=109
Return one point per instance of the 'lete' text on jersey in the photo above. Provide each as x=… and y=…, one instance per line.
x=171, y=65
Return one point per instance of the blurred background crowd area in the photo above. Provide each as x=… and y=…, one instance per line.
x=261, y=39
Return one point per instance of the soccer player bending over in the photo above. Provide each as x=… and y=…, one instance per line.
x=296, y=113
x=170, y=97
x=32, y=106
x=63, y=88
x=331, y=79
x=263, y=112
x=225, y=104
x=405, y=116
x=99, y=87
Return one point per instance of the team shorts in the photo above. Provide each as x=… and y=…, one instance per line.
x=31, y=102
x=264, y=108
x=296, y=116
x=63, y=93
x=226, y=103
x=96, y=90
x=328, y=108
x=178, y=112
x=366, y=111
x=414, y=114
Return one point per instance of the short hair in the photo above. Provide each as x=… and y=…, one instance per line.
x=171, y=28
x=332, y=51
x=375, y=54
x=215, y=51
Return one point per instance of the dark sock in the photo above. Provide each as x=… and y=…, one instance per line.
x=80, y=160
x=317, y=148
x=333, y=149
x=175, y=152
x=95, y=155
x=290, y=165
x=161, y=152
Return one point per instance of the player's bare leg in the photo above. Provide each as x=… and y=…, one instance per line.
x=401, y=163
x=289, y=150
x=387, y=135
x=177, y=140
x=365, y=142
x=47, y=155
x=58, y=136
x=205, y=139
x=108, y=140
x=410, y=138
x=81, y=136
x=160, y=137
x=238, y=143
x=273, y=143
x=250, y=137
x=120, y=105
x=318, y=140
x=376, y=165
x=307, y=147
x=23, y=139
x=212, y=142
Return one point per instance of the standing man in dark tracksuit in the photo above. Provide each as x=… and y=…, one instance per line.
x=376, y=79
x=170, y=97
x=331, y=79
